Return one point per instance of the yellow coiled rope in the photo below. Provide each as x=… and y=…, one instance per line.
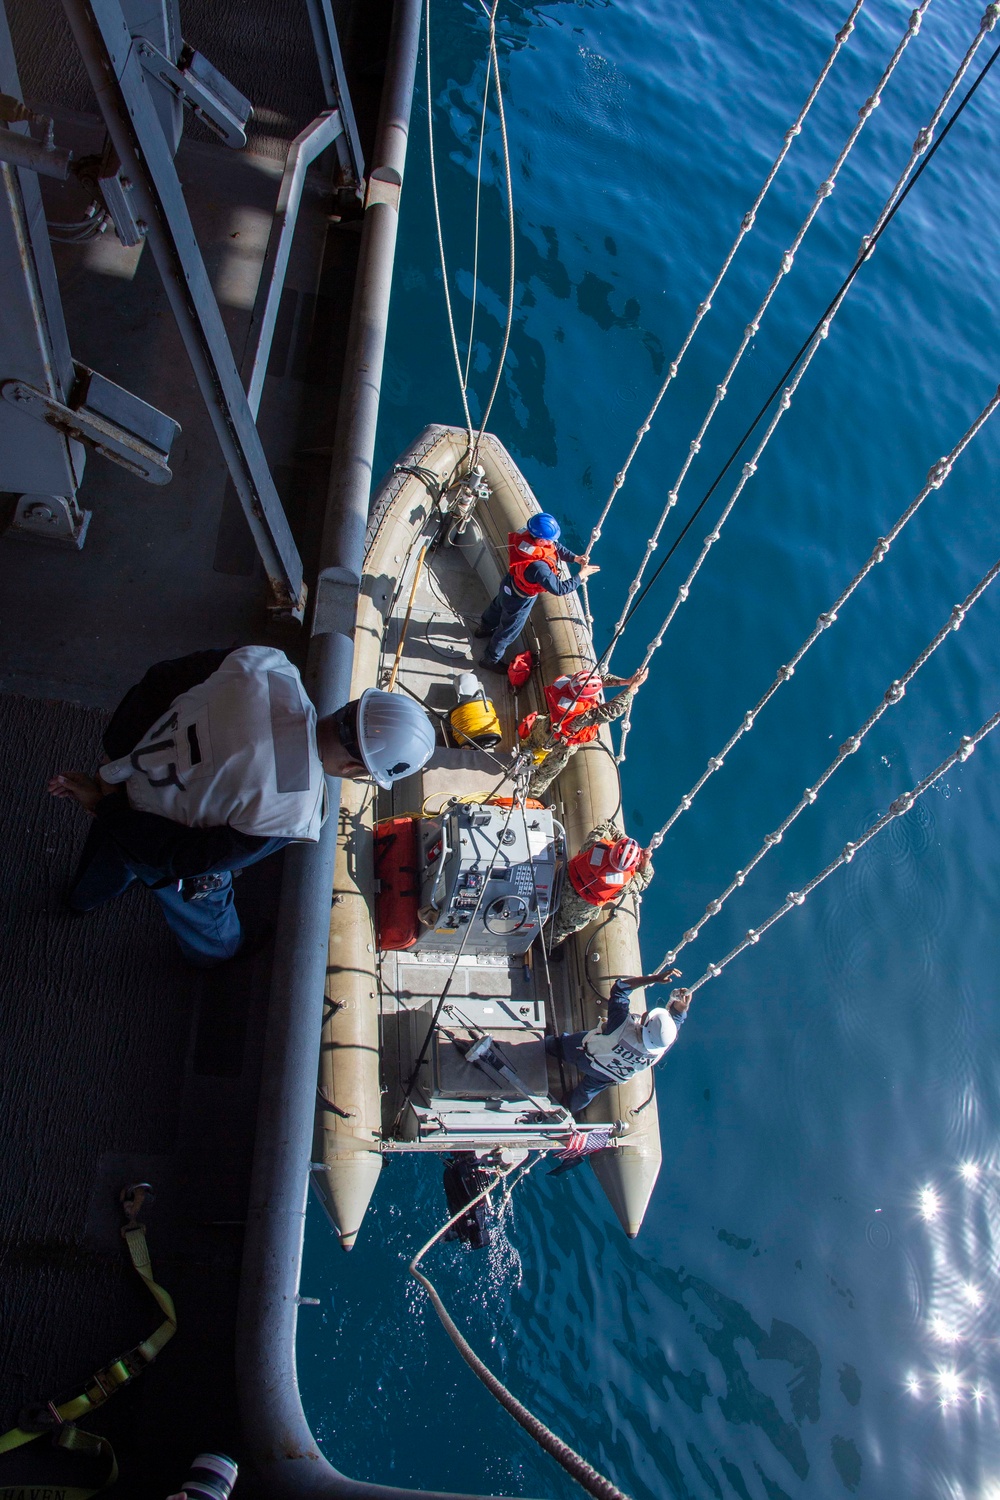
x=476, y=723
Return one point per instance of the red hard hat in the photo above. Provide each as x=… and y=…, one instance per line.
x=625, y=854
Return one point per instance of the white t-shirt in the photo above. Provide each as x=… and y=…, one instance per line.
x=238, y=749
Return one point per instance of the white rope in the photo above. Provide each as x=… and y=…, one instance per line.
x=437, y=221
x=495, y=64
x=703, y=307
x=935, y=479
x=920, y=145
x=896, y=809
x=822, y=193
x=893, y=694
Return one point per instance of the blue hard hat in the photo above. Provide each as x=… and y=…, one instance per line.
x=544, y=527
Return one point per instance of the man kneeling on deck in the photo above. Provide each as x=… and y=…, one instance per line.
x=624, y=1045
x=576, y=712
x=212, y=762
x=604, y=867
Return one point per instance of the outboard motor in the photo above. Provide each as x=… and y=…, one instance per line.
x=464, y=1179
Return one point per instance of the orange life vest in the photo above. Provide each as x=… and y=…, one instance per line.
x=592, y=875
x=565, y=707
x=523, y=549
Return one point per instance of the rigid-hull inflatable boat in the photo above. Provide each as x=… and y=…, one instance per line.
x=439, y=995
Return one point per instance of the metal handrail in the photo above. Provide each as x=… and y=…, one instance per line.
x=303, y=151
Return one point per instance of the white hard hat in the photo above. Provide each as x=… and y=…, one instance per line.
x=395, y=735
x=659, y=1029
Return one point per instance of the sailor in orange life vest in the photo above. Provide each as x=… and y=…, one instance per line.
x=625, y=1044
x=604, y=867
x=576, y=712
x=533, y=568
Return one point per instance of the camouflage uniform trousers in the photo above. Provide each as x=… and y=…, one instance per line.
x=545, y=773
x=573, y=914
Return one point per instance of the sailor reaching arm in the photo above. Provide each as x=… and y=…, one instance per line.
x=534, y=556
x=627, y=1042
x=576, y=712
x=213, y=762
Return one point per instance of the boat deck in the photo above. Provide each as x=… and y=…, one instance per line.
x=509, y=997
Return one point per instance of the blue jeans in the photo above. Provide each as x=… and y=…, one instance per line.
x=567, y=1047
x=506, y=617
x=208, y=930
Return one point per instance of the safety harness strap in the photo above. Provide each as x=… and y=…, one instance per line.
x=55, y=1419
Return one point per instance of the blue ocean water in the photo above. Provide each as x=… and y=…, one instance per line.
x=811, y=1307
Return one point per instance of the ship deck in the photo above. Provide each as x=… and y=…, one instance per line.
x=122, y=1064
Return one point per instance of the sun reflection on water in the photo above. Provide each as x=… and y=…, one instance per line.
x=961, y=1220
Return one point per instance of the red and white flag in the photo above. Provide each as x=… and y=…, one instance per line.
x=582, y=1143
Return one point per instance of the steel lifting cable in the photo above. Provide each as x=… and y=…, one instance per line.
x=479, y=193
x=495, y=64
x=492, y=67
x=822, y=193
x=868, y=243
x=704, y=307
x=896, y=809
x=936, y=477
x=893, y=694
x=584, y=1473
x=437, y=221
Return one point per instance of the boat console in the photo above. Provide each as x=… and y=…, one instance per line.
x=489, y=878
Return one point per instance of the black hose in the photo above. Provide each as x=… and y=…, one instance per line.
x=601, y=746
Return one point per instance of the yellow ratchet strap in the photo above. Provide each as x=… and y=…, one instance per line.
x=55, y=1420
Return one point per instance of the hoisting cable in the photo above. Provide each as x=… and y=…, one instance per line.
x=895, y=691
x=495, y=64
x=437, y=221
x=896, y=809
x=584, y=1473
x=936, y=477
x=479, y=192
x=492, y=68
x=704, y=307
x=809, y=348
x=823, y=192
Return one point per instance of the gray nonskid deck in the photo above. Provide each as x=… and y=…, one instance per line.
x=508, y=998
